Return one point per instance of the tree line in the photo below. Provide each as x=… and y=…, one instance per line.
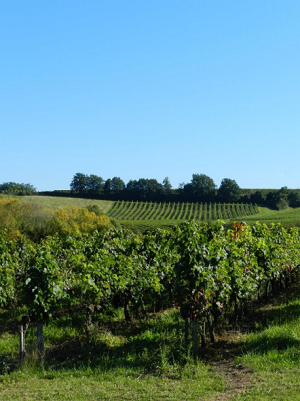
x=14, y=188
x=201, y=188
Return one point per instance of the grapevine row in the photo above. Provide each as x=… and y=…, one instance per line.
x=180, y=211
x=204, y=270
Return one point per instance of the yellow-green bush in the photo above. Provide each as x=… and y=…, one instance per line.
x=23, y=218
x=74, y=220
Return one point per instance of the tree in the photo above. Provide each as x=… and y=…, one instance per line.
x=258, y=197
x=107, y=187
x=278, y=199
x=229, y=191
x=94, y=184
x=117, y=185
x=294, y=198
x=187, y=193
x=79, y=183
x=203, y=188
x=143, y=189
x=282, y=201
x=13, y=188
x=166, y=190
x=167, y=185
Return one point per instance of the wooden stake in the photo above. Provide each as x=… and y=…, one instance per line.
x=40, y=340
x=195, y=337
x=22, y=345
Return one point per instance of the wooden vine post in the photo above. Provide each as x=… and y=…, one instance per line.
x=195, y=338
x=40, y=340
x=22, y=334
x=22, y=342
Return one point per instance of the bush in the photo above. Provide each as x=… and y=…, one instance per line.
x=26, y=219
x=74, y=220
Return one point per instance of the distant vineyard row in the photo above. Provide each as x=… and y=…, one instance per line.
x=123, y=210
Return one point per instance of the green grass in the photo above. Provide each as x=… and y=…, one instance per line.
x=145, y=359
x=141, y=360
x=81, y=386
x=55, y=202
x=274, y=354
x=288, y=217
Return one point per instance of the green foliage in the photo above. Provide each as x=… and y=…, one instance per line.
x=203, y=188
x=8, y=270
x=204, y=266
x=229, y=191
x=31, y=220
x=79, y=183
x=45, y=282
x=208, y=269
x=76, y=220
x=13, y=188
x=95, y=209
x=24, y=218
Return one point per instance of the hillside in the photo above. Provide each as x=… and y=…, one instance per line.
x=147, y=215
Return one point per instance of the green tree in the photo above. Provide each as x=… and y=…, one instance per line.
x=167, y=185
x=107, y=187
x=294, y=198
x=258, y=197
x=94, y=184
x=144, y=189
x=278, y=199
x=13, y=188
x=166, y=188
x=117, y=185
x=114, y=186
x=203, y=188
x=229, y=191
x=79, y=183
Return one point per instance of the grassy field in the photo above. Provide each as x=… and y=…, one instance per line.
x=287, y=217
x=141, y=216
x=145, y=359
x=55, y=202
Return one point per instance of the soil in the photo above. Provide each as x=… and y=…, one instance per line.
x=222, y=360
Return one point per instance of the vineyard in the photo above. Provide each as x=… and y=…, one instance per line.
x=207, y=272
x=150, y=214
x=143, y=216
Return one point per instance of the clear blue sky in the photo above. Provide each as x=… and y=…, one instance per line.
x=149, y=89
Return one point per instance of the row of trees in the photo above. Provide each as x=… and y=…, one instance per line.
x=280, y=199
x=201, y=188
x=13, y=188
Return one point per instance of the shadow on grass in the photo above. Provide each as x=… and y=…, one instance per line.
x=277, y=327
x=156, y=343
x=269, y=340
x=149, y=346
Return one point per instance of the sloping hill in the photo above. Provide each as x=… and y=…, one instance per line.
x=147, y=215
